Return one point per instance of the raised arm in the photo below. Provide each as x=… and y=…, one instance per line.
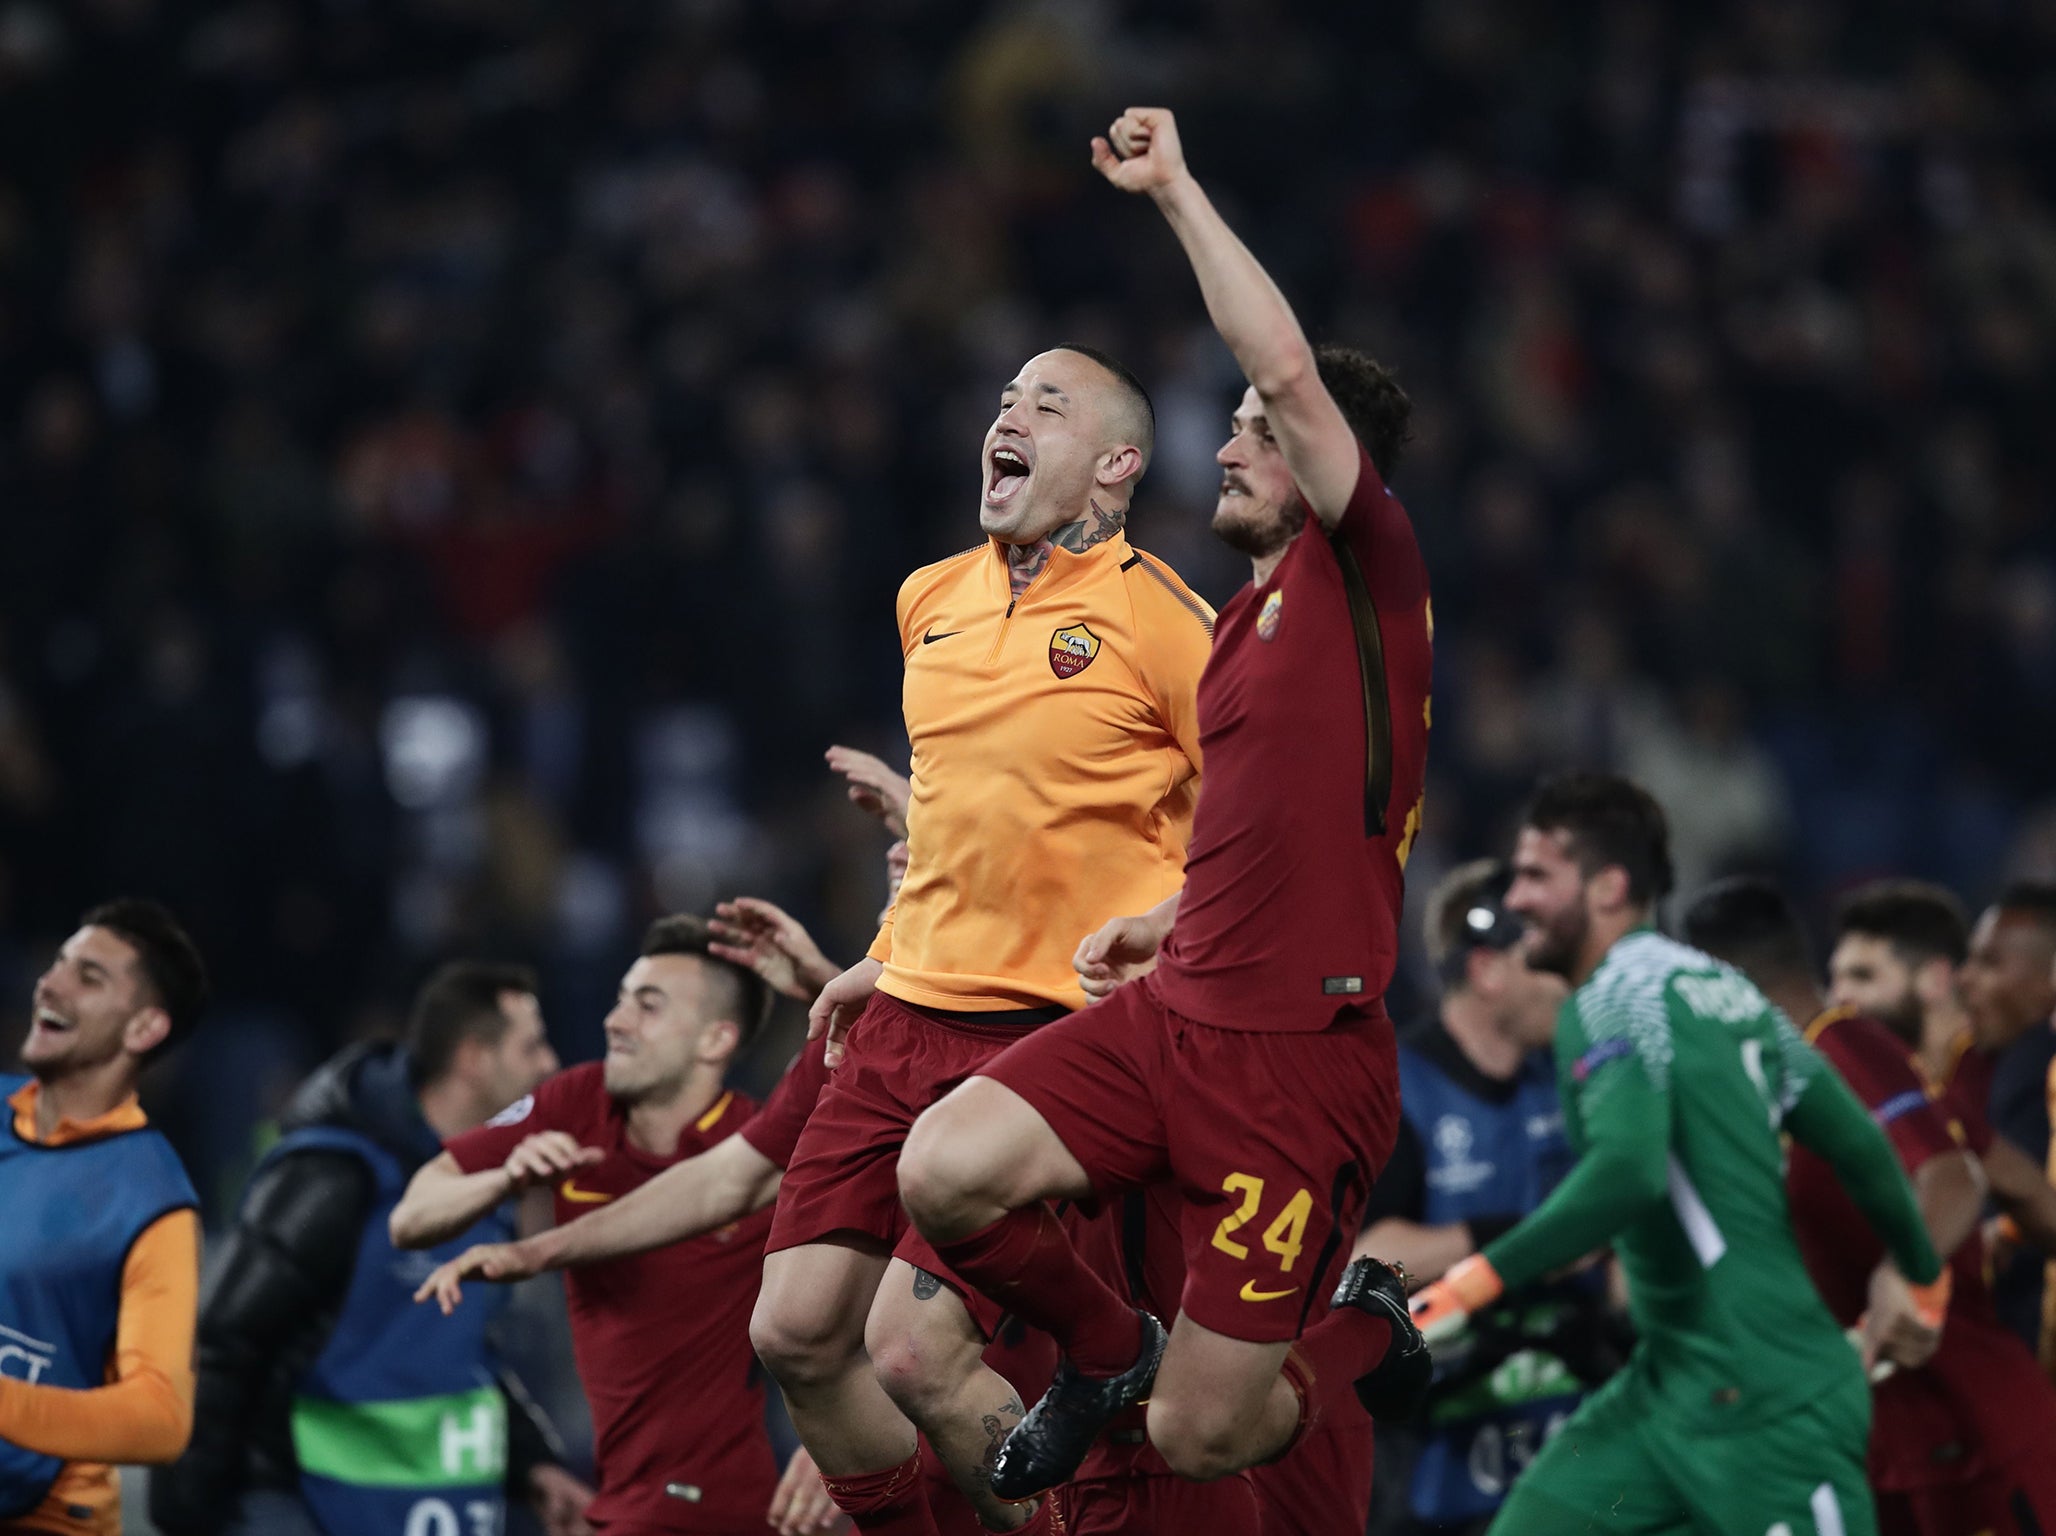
x=1142, y=154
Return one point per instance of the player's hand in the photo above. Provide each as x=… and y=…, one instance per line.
x=763, y=938
x=502, y=1262
x=836, y=1009
x=547, y=1156
x=1904, y=1324
x=896, y=860
x=559, y=1500
x=800, y=1505
x=1123, y=949
x=874, y=787
x=1140, y=152
x=1441, y=1310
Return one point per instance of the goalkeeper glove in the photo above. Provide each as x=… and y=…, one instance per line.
x=1441, y=1310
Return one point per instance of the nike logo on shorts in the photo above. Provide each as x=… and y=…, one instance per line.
x=570, y=1191
x=931, y=637
x=1251, y=1293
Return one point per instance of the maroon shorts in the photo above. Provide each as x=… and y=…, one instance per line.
x=1271, y=1139
x=2018, y=1499
x=844, y=1172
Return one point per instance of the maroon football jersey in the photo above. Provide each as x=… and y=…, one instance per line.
x=1313, y=717
x=662, y=1338
x=1981, y=1399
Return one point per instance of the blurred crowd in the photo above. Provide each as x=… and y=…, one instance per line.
x=460, y=454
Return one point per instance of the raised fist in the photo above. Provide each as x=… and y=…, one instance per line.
x=1140, y=152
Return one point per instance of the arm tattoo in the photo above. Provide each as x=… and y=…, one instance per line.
x=926, y=1285
x=1105, y=524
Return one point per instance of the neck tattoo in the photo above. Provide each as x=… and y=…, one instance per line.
x=1025, y=562
x=1104, y=525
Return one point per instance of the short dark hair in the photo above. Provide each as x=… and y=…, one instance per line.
x=1139, y=404
x=460, y=1002
x=748, y=1004
x=1464, y=912
x=1749, y=922
x=170, y=961
x=2030, y=898
x=1920, y=921
x=1609, y=820
x=1372, y=402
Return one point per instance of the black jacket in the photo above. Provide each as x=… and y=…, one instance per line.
x=274, y=1297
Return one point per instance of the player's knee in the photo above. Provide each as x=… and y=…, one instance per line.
x=915, y=1375
x=1197, y=1442
x=799, y=1347
x=937, y=1180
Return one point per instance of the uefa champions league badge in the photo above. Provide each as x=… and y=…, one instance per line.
x=1071, y=650
x=1267, y=618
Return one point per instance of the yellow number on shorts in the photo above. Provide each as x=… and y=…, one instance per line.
x=1286, y=1235
x=1251, y=1189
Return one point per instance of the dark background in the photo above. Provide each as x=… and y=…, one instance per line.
x=458, y=455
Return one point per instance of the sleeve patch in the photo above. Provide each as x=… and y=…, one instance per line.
x=1900, y=1104
x=514, y=1113
x=1600, y=1055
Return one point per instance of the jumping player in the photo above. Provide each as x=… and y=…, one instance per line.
x=678, y=1408
x=1959, y=1447
x=1255, y=1065
x=1742, y=1409
x=1123, y=1486
x=1050, y=683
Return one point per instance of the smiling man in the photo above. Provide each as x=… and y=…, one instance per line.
x=99, y=1239
x=661, y=1338
x=1050, y=699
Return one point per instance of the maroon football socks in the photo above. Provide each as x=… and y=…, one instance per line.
x=1026, y=1263
x=1324, y=1365
x=889, y=1503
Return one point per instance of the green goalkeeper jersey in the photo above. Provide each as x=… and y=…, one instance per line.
x=1679, y=1080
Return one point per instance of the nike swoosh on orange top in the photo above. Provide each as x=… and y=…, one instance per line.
x=570, y=1191
x=1251, y=1293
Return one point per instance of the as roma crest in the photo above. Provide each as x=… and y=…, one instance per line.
x=1071, y=650
x=1268, y=616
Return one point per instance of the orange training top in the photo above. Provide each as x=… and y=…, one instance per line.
x=1056, y=762
x=145, y=1412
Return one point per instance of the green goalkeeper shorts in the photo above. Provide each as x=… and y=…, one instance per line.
x=1620, y=1466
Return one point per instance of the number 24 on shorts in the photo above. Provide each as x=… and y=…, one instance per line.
x=1285, y=1236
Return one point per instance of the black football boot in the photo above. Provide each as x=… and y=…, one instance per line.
x=1045, y=1448
x=1395, y=1389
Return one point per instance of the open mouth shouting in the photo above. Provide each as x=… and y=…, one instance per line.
x=1006, y=470
x=49, y=1024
